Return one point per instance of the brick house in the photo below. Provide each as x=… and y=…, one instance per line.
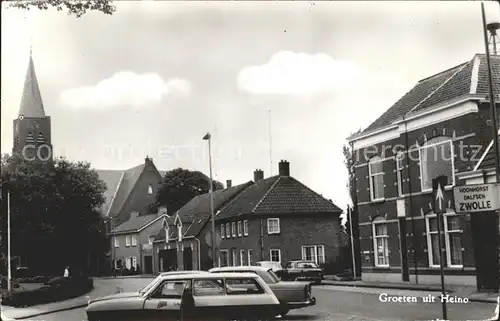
x=130, y=190
x=132, y=241
x=278, y=219
x=193, y=249
x=440, y=127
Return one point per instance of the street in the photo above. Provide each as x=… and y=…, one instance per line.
x=333, y=303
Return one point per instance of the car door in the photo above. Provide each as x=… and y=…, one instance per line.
x=246, y=298
x=210, y=298
x=164, y=303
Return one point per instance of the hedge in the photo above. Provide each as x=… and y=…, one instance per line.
x=57, y=289
x=33, y=279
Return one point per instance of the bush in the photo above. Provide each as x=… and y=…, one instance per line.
x=56, y=289
x=33, y=279
x=13, y=283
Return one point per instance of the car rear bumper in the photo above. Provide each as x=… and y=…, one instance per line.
x=298, y=305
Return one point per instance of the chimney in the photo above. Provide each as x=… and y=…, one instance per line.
x=147, y=160
x=134, y=214
x=258, y=174
x=284, y=168
x=162, y=210
x=228, y=183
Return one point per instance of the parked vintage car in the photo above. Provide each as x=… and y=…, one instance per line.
x=292, y=295
x=202, y=296
x=275, y=266
x=302, y=271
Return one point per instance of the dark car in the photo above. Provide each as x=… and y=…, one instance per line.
x=301, y=271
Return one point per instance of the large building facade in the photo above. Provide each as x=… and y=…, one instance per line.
x=440, y=127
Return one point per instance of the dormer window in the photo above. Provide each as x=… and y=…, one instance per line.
x=150, y=190
x=30, y=139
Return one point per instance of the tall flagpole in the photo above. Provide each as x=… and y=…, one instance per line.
x=9, y=264
x=270, y=146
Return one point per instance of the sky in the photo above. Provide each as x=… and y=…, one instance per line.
x=268, y=80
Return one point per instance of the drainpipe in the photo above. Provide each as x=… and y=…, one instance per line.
x=261, y=239
x=355, y=212
x=199, y=255
x=410, y=196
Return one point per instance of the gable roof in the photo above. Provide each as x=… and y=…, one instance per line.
x=119, y=186
x=487, y=160
x=278, y=195
x=469, y=79
x=196, y=213
x=31, y=99
x=136, y=223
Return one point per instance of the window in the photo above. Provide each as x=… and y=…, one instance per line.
x=127, y=240
x=240, y=232
x=134, y=262
x=273, y=226
x=150, y=190
x=235, y=257
x=222, y=231
x=128, y=263
x=245, y=227
x=452, y=240
x=242, y=257
x=243, y=286
x=275, y=255
x=314, y=253
x=117, y=264
x=380, y=242
x=399, y=171
x=228, y=231
x=307, y=265
x=436, y=158
x=151, y=239
x=233, y=229
x=134, y=240
x=208, y=287
x=249, y=261
x=170, y=290
x=117, y=241
x=223, y=258
x=376, y=172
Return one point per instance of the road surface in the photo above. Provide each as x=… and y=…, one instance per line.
x=343, y=303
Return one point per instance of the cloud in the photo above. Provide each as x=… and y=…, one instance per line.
x=125, y=89
x=298, y=73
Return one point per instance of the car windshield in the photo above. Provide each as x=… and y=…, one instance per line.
x=307, y=265
x=150, y=285
x=273, y=276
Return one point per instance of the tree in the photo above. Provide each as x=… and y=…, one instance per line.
x=349, y=162
x=55, y=216
x=179, y=186
x=73, y=7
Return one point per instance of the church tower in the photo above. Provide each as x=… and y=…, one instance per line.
x=32, y=137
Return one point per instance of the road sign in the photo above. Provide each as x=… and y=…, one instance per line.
x=438, y=195
x=476, y=198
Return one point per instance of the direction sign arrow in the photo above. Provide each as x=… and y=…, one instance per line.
x=439, y=197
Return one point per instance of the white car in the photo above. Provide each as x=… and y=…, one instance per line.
x=275, y=266
x=204, y=296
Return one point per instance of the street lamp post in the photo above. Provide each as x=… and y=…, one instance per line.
x=214, y=250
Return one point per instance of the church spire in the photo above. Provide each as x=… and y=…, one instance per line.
x=31, y=100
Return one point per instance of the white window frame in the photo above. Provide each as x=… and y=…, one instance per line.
x=116, y=264
x=227, y=257
x=234, y=257
x=376, y=222
x=117, y=241
x=134, y=240
x=240, y=229
x=223, y=231
x=316, y=256
x=271, y=255
x=447, y=243
x=400, y=157
x=242, y=257
x=374, y=160
x=249, y=257
x=429, y=144
x=134, y=262
x=127, y=240
x=150, y=190
x=245, y=228
x=269, y=232
x=233, y=229
x=228, y=230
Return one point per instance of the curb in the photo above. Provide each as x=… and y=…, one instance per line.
x=51, y=311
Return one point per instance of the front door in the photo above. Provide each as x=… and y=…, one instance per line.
x=165, y=301
x=169, y=258
x=188, y=259
x=484, y=227
x=148, y=264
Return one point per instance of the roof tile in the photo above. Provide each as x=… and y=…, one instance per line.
x=135, y=223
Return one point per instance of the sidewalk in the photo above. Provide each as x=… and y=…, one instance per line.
x=469, y=292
